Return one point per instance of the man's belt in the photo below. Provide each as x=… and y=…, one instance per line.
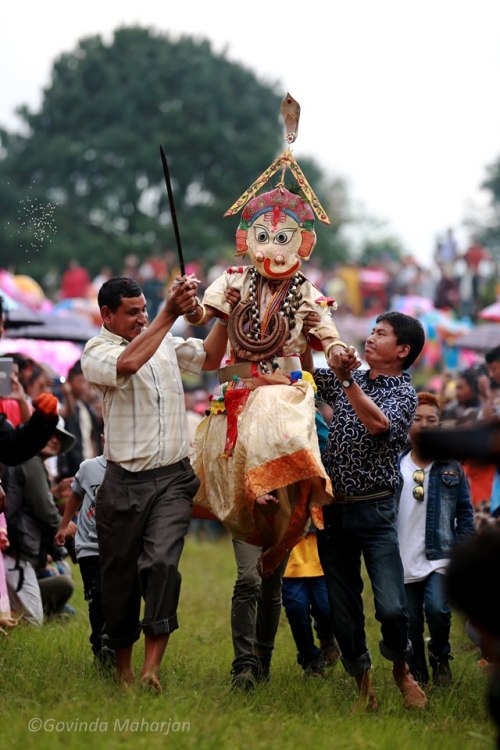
x=247, y=369
x=342, y=499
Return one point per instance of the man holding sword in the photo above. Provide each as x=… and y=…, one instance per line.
x=144, y=503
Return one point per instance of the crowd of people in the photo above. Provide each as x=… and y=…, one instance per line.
x=106, y=471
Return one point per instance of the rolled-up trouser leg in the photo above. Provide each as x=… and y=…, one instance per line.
x=163, y=541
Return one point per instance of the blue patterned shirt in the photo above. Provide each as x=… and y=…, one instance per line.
x=356, y=461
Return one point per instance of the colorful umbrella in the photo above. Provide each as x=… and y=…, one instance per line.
x=492, y=312
x=58, y=355
x=483, y=337
x=17, y=314
x=88, y=309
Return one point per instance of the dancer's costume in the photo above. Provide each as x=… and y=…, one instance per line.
x=259, y=437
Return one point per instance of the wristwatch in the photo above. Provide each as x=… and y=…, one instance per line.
x=347, y=382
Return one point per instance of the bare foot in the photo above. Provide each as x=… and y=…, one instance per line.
x=125, y=679
x=268, y=503
x=367, y=700
x=413, y=695
x=150, y=681
x=7, y=622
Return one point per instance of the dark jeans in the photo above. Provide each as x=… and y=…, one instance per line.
x=365, y=529
x=90, y=571
x=142, y=518
x=255, y=606
x=427, y=598
x=303, y=599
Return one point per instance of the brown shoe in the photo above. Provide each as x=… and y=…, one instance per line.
x=413, y=695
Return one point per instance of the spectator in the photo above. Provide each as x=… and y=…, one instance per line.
x=21, y=443
x=80, y=420
x=75, y=281
x=465, y=407
x=492, y=361
x=435, y=513
x=32, y=521
x=305, y=599
x=6, y=619
x=16, y=407
x=82, y=502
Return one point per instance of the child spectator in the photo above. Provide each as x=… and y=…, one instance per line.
x=305, y=598
x=82, y=501
x=304, y=592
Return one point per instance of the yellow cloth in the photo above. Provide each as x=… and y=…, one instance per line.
x=276, y=450
x=304, y=559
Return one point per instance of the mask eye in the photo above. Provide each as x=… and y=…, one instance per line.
x=261, y=235
x=284, y=237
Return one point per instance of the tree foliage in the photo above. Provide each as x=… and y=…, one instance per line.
x=488, y=231
x=89, y=159
x=379, y=251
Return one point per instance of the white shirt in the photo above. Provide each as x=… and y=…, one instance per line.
x=145, y=425
x=411, y=526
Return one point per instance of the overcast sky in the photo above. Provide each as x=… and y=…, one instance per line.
x=400, y=98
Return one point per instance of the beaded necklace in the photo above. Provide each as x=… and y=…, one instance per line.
x=255, y=339
x=286, y=301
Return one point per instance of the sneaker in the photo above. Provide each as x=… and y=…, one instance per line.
x=441, y=672
x=330, y=651
x=244, y=679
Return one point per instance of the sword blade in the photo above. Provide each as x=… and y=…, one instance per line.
x=171, y=203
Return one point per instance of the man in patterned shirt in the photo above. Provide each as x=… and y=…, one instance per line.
x=143, y=506
x=372, y=414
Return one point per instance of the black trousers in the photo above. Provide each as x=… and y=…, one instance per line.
x=142, y=519
x=90, y=571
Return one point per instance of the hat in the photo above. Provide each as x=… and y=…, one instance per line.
x=67, y=438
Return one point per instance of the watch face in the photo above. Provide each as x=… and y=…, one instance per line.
x=346, y=383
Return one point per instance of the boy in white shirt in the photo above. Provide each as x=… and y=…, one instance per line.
x=435, y=513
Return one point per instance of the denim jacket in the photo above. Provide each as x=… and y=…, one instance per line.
x=449, y=518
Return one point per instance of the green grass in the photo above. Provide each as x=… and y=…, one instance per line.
x=47, y=673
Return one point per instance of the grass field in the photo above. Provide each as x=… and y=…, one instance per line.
x=51, y=696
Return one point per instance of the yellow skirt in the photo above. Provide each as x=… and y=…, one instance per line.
x=276, y=451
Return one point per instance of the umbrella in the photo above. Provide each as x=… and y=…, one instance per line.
x=481, y=338
x=17, y=314
x=58, y=355
x=52, y=327
x=411, y=304
x=491, y=313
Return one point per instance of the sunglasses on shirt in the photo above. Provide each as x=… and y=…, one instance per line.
x=418, y=491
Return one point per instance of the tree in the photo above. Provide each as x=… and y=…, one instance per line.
x=90, y=157
x=487, y=231
x=380, y=251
